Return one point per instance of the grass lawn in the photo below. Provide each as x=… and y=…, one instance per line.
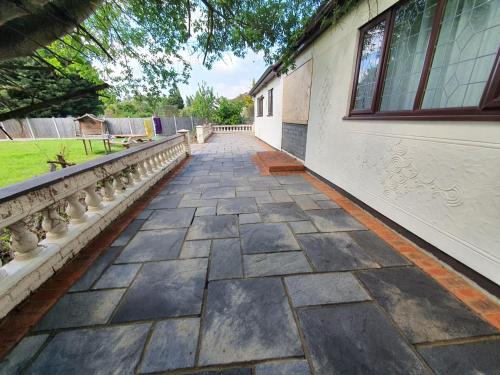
x=20, y=160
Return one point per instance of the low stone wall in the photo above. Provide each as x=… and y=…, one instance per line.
x=203, y=132
x=109, y=184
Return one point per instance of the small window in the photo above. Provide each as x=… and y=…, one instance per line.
x=270, y=102
x=260, y=106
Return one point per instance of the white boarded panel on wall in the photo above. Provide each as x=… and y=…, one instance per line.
x=296, y=94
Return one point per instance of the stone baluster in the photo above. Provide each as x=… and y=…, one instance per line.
x=92, y=199
x=75, y=210
x=153, y=163
x=142, y=169
x=130, y=176
x=24, y=242
x=53, y=224
x=136, y=171
x=148, y=167
x=118, y=183
x=109, y=192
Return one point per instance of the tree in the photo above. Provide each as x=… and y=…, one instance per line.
x=174, y=97
x=204, y=102
x=229, y=112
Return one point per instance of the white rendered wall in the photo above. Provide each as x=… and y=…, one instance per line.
x=268, y=128
x=440, y=180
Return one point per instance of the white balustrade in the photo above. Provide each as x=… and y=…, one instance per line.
x=118, y=181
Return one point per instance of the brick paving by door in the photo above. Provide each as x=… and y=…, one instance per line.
x=229, y=272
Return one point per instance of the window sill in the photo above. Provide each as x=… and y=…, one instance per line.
x=492, y=116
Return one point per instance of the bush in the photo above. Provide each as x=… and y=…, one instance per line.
x=229, y=112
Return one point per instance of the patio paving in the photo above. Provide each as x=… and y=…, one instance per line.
x=232, y=273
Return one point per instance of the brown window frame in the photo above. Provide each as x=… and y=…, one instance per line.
x=489, y=105
x=270, y=102
x=260, y=106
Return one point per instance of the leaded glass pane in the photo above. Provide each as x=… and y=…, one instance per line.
x=407, y=48
x=369, y=65
x=468, y=41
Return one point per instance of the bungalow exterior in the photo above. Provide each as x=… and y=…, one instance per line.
x=397, y=104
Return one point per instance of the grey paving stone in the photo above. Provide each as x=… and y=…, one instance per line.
x=206, y=179
x=435, y=314
x=272, y=264
x=291, y=180
x=278, y=212
x=81, y=309
x=280, y=196
x=205, y=211
x=172, y=346
x=128, y=233
x=192, y=196
x=226, y=259
x=300, y=227
x=356, y=339
x=474, y=358
x=195, y=203
x=319, y=197
x=300, y=189
x=247, y=320
x=169, y=219
x=267, y=238
x=249, y=218
x=218, y=192
x=181, y=180
x=196, y=249
x=144, y=214
x=325, y=288
x=378, y=249
x=305, y=202
x=208, y=227
x=182, y=189
x=164, y=201
x=335, y=252
x=234, y=181
x=95, y=270
x=152, y=245
x=254, y=194
x=117, y=276
x=245, y=205
x=232, y=371
x=334, y=220
x=263, y=200
x=110, y=350
x=20, y=356
x=163, y=290
x=293, y=367
x=327, y=204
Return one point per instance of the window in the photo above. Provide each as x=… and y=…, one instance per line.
x=270, y=102
x=260, y=106
x=430, y=59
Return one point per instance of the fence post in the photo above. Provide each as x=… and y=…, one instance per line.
x=130, y=126
x=29, y=127
x=192, y=123
x=55, y=126
x=175, y=125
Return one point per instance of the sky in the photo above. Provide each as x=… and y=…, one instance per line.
x=229, y=77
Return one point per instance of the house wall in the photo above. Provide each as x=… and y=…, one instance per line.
x=438, y=179
x=268, y=128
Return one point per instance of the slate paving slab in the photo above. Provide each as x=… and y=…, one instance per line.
x=208, y=227
x=117, y=276
x=247, y=320
x=325, y=288
x=172, y=346
x=195, y=203
x=164, y=201
x=421, y=307
x=291, y=180
x=205, y=211
x=226, y=260
x=110, y=350
x=280, y=196
x=81, y=309
x=267, y=238
x=334, y=220
x=242, y=205
x=128, y=233
x=249, y=218
x=378, y=249
x=232, y=371
x=93, y=273
x=218, y=192
x=305, y=202
x=300, y=189
x=278, y=212
x=300, y=227
x=335, y=252
x=144, y=214
x=356, y=339
x=20, y=356
x=294, y=367
x=273, y=264
x=164, y=289
x=196, y=249
x=326, y=204
x=474, y=358
x=151, y=245
x=169, y=219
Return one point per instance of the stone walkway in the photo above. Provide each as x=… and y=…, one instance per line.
x=228, y=272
